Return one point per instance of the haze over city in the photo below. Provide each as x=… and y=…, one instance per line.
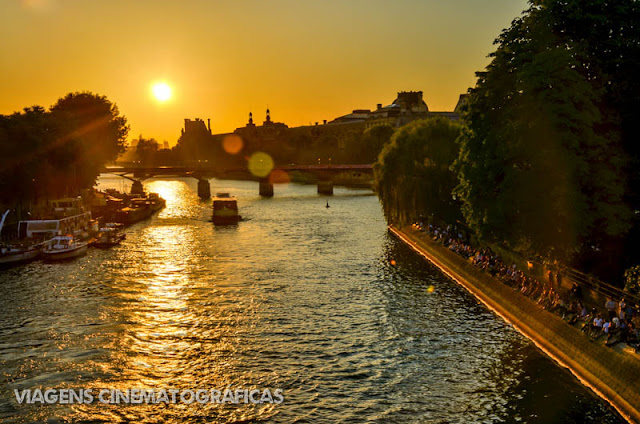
x=306, y=61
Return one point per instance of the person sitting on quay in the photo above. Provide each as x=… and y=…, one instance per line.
x=588, y=321
x=596, y=327
x=559, y=306
x=615, y=332
x=544, y=297
x=569, y=306
x=574, y=311
x=580, y=313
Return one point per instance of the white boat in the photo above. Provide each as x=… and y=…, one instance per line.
x=15, y=254
x=11, y=253
x=63, y=247
x=110, y=235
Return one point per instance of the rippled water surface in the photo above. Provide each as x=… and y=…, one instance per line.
x=298, y=297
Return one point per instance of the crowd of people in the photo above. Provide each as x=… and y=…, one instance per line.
x=617, y=322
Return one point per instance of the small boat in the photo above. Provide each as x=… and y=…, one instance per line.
x=110, y=235
x=156, y=202
x=11, y=254
x=63, y=247
x=16, y=253
x=225, y=210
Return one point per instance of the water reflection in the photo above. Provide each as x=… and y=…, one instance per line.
x=298, y=297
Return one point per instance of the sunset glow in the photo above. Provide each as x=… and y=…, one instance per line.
x=161, y=91
x=306, y=61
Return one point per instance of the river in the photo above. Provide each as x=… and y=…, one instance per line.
x=321, y=303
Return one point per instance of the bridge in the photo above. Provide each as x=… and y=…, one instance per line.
x=203, y=172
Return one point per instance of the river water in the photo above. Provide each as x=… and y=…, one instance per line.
x=321, y=303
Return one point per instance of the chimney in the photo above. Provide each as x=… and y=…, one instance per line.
x=324, y=121
x=379, y=106
x=209, y=125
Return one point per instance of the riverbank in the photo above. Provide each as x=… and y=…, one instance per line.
x=613, y=375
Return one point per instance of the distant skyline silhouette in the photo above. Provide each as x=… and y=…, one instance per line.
x=307, y=61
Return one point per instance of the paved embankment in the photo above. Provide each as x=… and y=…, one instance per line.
x=613, y=375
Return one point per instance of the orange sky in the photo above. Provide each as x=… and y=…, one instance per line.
x=306, y=60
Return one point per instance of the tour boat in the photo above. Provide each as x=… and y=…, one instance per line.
x=225, y=210
x=63, y=247
x=110, y=235
x=65, y=216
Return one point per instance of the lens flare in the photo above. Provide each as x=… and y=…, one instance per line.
x=279, y=177
x=260, y=164
x=232, y=144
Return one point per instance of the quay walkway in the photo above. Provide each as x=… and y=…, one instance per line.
x=614, y=375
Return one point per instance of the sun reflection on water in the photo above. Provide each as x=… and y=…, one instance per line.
x=182, y=200
x=296, y=297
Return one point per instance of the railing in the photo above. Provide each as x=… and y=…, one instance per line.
x=599, y=286
x=585, y=280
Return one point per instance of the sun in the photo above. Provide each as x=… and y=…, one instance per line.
x=161, y=91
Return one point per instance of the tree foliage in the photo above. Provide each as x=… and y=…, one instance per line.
x=540, y=154
x=632, y=280
x=372, y=142
x=146, y=149
x=55, y=153
x=93, y=132
x=412, y=174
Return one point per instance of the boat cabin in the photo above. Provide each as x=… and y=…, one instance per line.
x=225, y=209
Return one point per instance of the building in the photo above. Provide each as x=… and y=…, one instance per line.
x=408, y=106
x=196, y=126
x=338, y=141
x=267, y=136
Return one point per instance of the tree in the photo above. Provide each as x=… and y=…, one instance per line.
x=539, y=157
x=56, y=153
x=412, y=174
x=374, y=139
x=146, y=150
x=27, y=146
x=632, y=280
x=92, y=125
x=606, y=39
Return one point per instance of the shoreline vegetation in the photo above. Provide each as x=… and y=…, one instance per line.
x=541, y=168
x=544, y=159
x=56, y=153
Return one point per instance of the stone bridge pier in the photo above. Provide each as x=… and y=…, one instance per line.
x=265, y=188
x=325, y=185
